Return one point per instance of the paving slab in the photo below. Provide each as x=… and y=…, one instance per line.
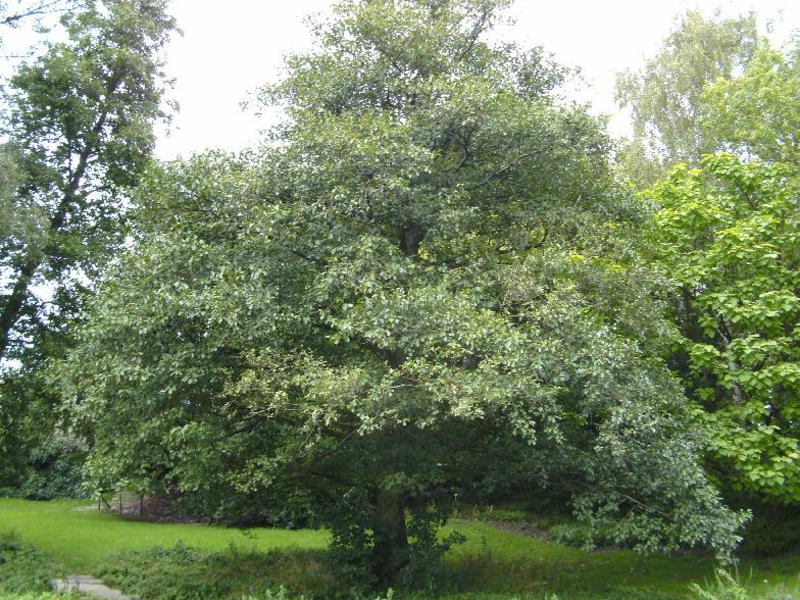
x=89, y=585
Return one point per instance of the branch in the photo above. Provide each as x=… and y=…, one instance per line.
x=505, y=168
x=542, y=241
x=479, y=28
x=43, y=9
x=312, y=259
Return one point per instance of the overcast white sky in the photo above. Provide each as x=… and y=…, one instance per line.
x=229, y=49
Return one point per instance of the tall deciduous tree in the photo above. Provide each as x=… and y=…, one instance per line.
x=664, y=97
x=758, y=114
x=421, y=287
x=730, y=236
x=80, y=119
x=77, y=126
x=727, y=234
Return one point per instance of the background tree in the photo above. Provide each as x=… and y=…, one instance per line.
x=758, y=114
x=725, y=236
x=78, y=131
x=422, y=287
x=729, y=236
x=664, y=97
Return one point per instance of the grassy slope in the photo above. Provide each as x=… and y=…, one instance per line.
x=526, y=565
x=77, y=539
x=490, y=561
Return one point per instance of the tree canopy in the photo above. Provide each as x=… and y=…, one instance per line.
x=77, y=131
x=758, y=113
x=729, y=235
x=421, y=285
x=665, y=97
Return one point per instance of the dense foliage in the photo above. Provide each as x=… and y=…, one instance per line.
x=76, y=131
x=730, y=235
x=665, y=97
x=423, y=285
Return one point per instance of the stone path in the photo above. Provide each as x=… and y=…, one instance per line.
x=89, y=585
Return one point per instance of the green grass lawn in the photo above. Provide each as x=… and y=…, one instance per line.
x=78, y=539
x=490, y=562
x=496, y=561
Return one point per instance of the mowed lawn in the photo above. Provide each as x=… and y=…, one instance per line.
x=78, y=539
x=491, y=561
x=529, y=566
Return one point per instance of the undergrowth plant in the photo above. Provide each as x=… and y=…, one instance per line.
x=185, y=573
x=729, y=586
x=23, y=569
x=30, y=596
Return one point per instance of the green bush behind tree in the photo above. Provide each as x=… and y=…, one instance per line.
x=53, y=469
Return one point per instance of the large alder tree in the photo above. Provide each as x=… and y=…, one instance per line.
x=421, y=285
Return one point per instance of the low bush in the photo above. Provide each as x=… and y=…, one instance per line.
x=23, y=569
x=727, y=586
x=185, y=573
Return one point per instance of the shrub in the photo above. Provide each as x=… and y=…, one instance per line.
x=53, y=470
x=23, y=569
x=185, y=573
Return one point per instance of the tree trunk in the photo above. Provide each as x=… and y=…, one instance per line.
x=391, y=552
x=14, y=304
x=411, y=238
